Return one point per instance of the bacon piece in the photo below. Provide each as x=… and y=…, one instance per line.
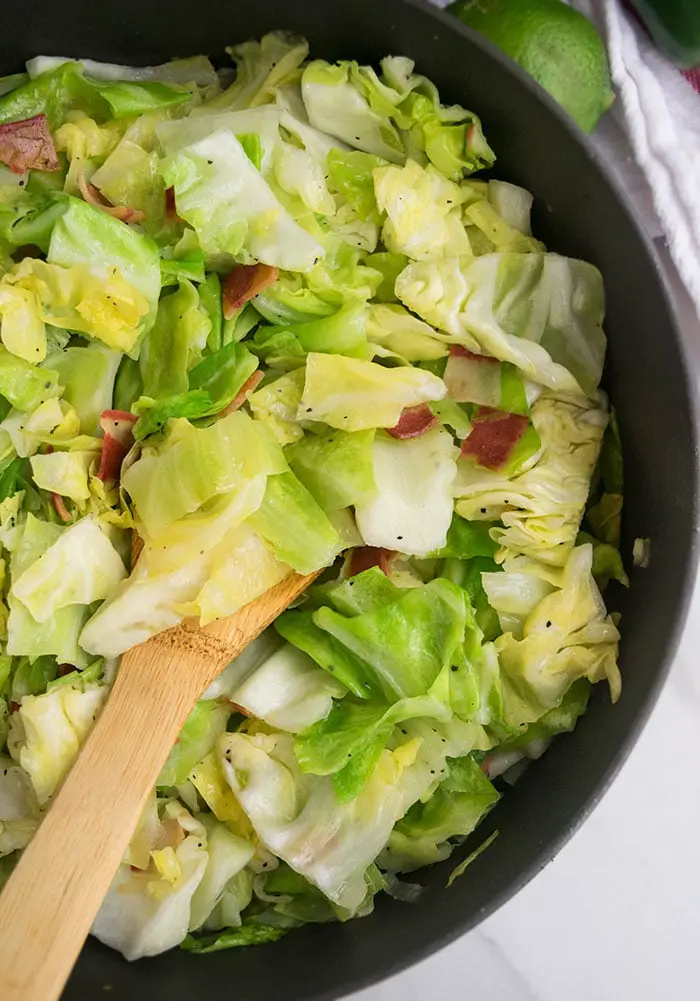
x=248, y=387
x=457, y=351
x=366, y=557
x=118, y=423
x=60, y=507
x=137, y=545
x=236, y=707
x=95, y=197
x=472, y=378
x=28, y=145
x=245, y=282
x=118, y=439
x=413, y=422
x=170, y=207
x=493, y=437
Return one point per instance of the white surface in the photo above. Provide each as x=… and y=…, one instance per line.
x=614, y=916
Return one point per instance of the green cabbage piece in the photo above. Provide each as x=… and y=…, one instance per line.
x=300, y=629
x=352, y=394
x=223, y=373
x=58, y=90
x=343, y=332
x=541, y=312
x=423, y=212
x=459, y=803
x=394, y=328
x=251, y=932
x=196, y=739
x=210, y=302
x=80, y=567
x=25, y=386
x=86, y=236
x=347, y=744
x=336, y=467
x=228, y=856
x=145, y=913
x=64, y=473
x=295, y=526
x=410, y=512
x=49, y=731
x=351, y=174
x=276, y=405
x=58, y=635
x=540, y=508
x=567, y=636
x=87, y=375
x=288, y=690
x=193, y=69
x=174, y=344
x=261, y=69
x=244, y=567
x=291, y=812
x=172, y=571
x=336, y=106
x=232, y=208
x=192, y=465
x=407, y=642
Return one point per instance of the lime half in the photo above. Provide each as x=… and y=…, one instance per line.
x=556, y=45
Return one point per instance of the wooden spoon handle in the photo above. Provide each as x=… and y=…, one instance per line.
x=51, y=899
x=55, y=891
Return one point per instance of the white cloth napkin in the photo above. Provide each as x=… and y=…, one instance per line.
x=659, y=110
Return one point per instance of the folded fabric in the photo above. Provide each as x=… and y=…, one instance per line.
x=659, y=108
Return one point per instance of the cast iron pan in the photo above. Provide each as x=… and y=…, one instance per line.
x=578, y=213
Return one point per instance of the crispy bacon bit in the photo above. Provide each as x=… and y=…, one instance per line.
x=366, y=557
x=118, y=423
x=95, y=197
x=118, y=439
x=113, y=452
x=248, y=387
x=28, y=145
x=137, y=545
x=64, y=669
x=245, y=282
x=237, y=708
x=493, y=437
x=457, y=351
x=60, y=507
x=413, y=422
x=170, y=207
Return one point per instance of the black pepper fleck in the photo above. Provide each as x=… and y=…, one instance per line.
x=548, y=624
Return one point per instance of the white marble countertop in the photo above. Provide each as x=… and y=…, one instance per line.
x=614, y=916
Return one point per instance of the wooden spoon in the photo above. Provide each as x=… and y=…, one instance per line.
x=50, y=901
